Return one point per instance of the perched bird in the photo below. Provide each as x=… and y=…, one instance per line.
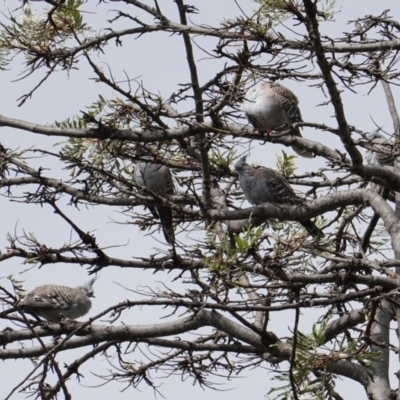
x=262, y=185
x=271, y=106
x=380, y=154
x=381, y=149
x=54, y=302
x=158, y=179
x=359, y=29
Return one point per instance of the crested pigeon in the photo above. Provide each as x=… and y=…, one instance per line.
x=379, y=154
x=271, y=106
x=54, y=302
x=261, y=185
x=158, y=179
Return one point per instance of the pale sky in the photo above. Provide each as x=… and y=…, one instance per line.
x=158, y=59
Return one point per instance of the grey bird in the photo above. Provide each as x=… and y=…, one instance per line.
x=158, y=179
x=54, y=302
x=264, y=185
x=380, y=154
x=271, y=106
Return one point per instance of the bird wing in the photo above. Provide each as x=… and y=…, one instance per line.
x=380, y=150
x=165, y=212
x=287, y=101
x=382, y=147
x=283, y=192
x=170, y=187
x=278, y=185
x=49, y=296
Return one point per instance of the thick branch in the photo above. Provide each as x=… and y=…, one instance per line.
x=343, y=323
x=310, y=209
x=379, y=387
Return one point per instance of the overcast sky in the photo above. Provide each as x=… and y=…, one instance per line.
x=159, y=60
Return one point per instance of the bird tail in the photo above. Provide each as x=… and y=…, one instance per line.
x=312, y=229
x=165, y=214
x=298, y=150
x=153, y=211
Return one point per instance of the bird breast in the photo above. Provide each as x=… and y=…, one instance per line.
x=256, y=192
x=78, y=309
x=370, y=158
x=259, y=104
x=151, y=176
